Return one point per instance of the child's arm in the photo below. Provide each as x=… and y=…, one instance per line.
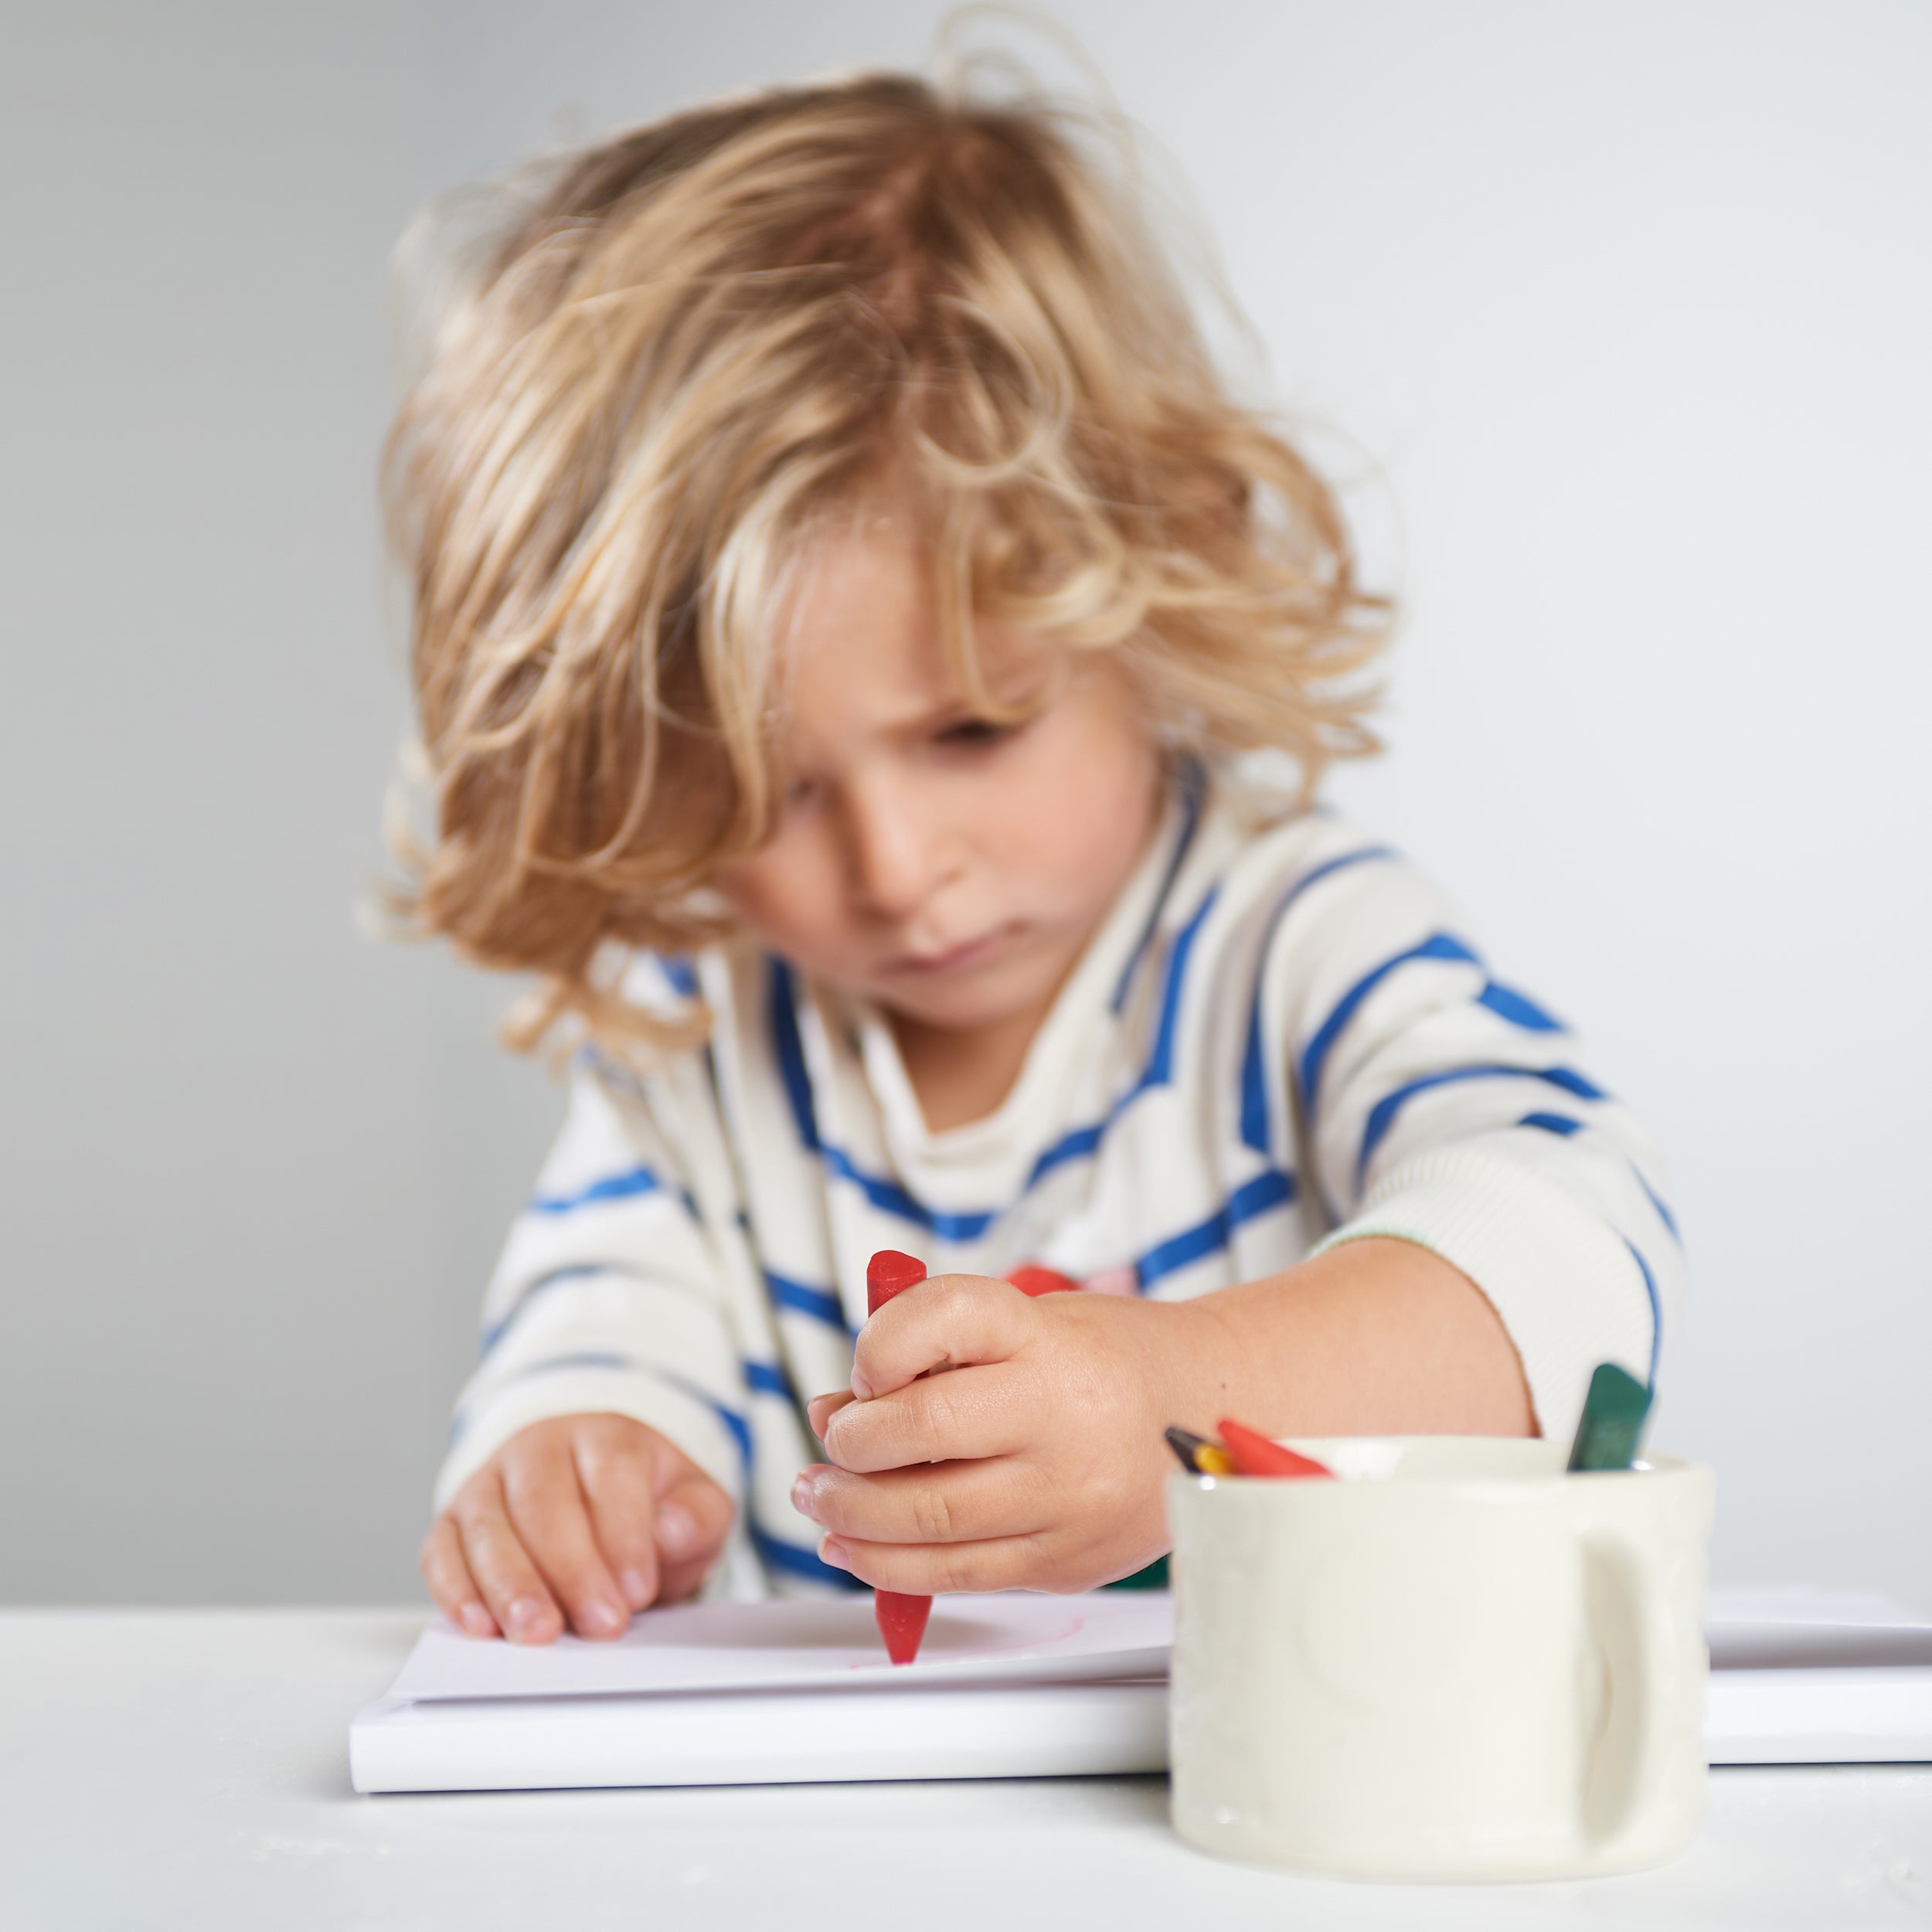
x=594, y=1467
x=1042, y=1466
x=1444, y=1108
x=1501, y=1232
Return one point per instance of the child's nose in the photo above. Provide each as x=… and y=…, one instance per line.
x=899, y=854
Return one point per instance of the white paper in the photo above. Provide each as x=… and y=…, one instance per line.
x=1793, y=1628
x=821, y=1643
x=935, y=1728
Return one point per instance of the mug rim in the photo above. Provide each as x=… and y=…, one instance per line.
x=1649, y=1468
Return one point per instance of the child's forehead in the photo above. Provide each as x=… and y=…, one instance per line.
x=861, y=604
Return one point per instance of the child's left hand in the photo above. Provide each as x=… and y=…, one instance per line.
x=1036, y=1462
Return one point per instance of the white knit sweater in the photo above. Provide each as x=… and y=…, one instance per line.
x=1276, y=1038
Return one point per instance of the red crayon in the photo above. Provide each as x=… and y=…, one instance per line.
x=1255, y=1455
x=902, y=1619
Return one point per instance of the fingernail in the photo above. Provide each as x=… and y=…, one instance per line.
x=525, y=1614
x=833, y=1552
x=861, y=1387
x=603, y=1616
x=637, y=1592
x=677, y=1530
x=477, y=1621
x=804, y=1495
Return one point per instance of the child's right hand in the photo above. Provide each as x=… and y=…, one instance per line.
x=582, y=1517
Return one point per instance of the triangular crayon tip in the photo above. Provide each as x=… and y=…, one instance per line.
x=902, y=1622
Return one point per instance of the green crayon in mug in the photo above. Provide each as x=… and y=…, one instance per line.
x=1612, y=1420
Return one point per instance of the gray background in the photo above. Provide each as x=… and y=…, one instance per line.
x=1616, y=318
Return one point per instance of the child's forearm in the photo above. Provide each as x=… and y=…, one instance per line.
x=1375, y=1337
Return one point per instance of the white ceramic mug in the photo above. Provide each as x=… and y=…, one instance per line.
x=1456, y=1662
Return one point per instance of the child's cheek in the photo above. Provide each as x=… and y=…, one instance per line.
x=1093, y=790
x=790, y=897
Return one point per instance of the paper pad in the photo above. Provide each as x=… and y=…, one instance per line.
x=1008, y=1686
x=1006, y=1638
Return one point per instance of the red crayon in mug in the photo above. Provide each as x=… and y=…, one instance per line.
x=1254, y=1454
x=902, y=1619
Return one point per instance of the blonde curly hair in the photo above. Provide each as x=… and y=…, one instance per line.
x=702, y=336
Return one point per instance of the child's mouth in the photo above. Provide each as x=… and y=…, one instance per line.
x=967, y=953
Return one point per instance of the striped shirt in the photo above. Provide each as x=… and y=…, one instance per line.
x=1277, y=1039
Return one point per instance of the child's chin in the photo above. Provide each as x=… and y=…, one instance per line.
x=968, y=1004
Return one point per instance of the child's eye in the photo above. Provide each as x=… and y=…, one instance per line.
x=975, y=731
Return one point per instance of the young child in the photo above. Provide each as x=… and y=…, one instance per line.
x=842, y=589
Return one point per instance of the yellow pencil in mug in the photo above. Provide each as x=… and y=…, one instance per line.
x=1199, y=1455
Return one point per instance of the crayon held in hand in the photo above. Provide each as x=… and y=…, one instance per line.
x=901, y=1618
x=1254, y=1455
x=1199, y=1455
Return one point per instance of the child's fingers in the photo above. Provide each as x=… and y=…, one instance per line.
x=678, y=1582
x=452, y=1588
x=942, y=1502
x=948, y=1322
x=926, y=1569
x=821, y=1409
x=547, y=1509
x=614, y=1469
x=517, y=1596
x=973, y=1413
x=693, y=1519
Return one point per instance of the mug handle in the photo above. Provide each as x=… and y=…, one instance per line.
x=1626, y=1613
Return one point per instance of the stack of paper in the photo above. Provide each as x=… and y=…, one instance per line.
x=1007, y=1686
x=1814, y=1677
x=777, y=1693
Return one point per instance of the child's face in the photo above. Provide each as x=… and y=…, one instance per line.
x=949, y=869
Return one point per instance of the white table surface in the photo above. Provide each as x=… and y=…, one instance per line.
x=190, y=1768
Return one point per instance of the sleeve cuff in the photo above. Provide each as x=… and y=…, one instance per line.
x=684, y=1419
x=1564, y=1283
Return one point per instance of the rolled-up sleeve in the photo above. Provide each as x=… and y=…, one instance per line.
x=607, y=1298
x=1441, y=1105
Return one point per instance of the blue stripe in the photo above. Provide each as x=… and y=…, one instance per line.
x=1160, y=1066
x=679, y=970
x=1254, y=1082
x=738, y=1429
x=1074, y=1145
x=1383, y=1114
x=1256, y=1129
x=1248, y=1203
x=612, y=1187
x=1519, y=1009
x=576, y=1272
x=1553, y=1124
x=889, y=1198
x=801, y=1563
x=1656, y=1309
x=1194, y=787
x=1663, y=1213
x=1316, y=874
x=1078, y=1142
x=1442, y=945
x=767, y=1379
x=582, y=1358
x=888, y=1195
x=815, y=1302
x=791, y=1050
x=741, y=1429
